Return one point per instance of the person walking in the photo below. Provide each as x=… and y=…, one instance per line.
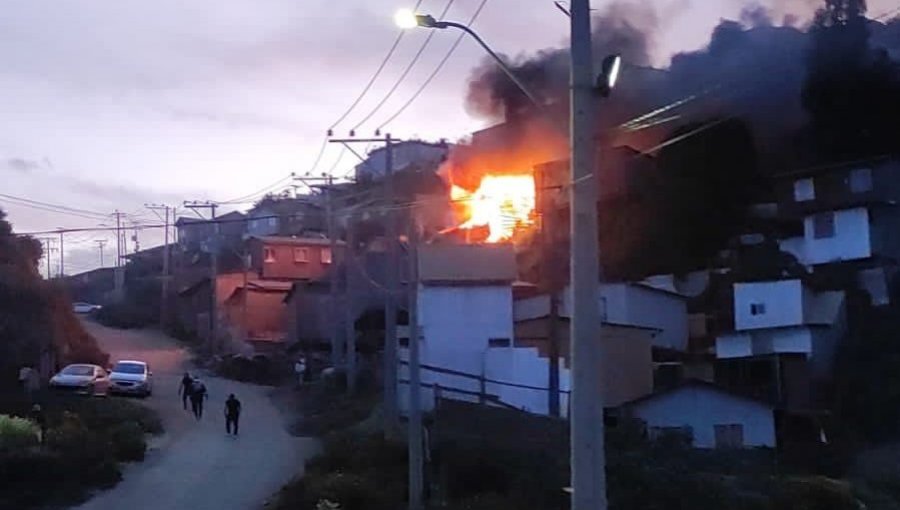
x=232, y=414
x=198, y=395
x=184, y=389
x=39, y=419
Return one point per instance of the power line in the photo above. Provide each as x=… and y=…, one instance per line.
x=406, y=71
x=46, y=206
x=251, y=196
x=437, y=69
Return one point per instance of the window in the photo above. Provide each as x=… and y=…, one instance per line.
x=499, y=342
x=757, y=308
x=325, y=256
x=861, y=180
x=729, y=436
x=683, y=433
x=269, y=255
x=804, y=189
x=823, y=225
x=301, y=255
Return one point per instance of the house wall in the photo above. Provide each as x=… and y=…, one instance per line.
x=284, y=265
x=702, y=408
x=782, y=302
x=638, y=305
x=266, y=314
x=851, y=240
x=797, y=340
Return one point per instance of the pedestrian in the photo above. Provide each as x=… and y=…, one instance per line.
x=184, y=389
x=300, y=370
x=26, y=376
x=232, y=414
x=39, y=419
x=198, y=395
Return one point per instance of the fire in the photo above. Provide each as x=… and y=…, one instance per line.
x=502, y=203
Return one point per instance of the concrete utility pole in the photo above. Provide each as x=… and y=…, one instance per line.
x=213, y=269
x=588, y=463
x=47, y=250
x=416, y=447
x=118, y=217
x=100, y=244
x=164, y=296
x=390, y=299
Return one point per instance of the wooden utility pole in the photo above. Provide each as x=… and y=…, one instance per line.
x=119, y=245
x=62, y=255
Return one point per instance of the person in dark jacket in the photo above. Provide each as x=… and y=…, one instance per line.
x=198, y=395
x=184, y=389
x=232, y=414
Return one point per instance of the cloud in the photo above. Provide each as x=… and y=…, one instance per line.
x=24, y=165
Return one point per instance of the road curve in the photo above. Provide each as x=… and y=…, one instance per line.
x=195, y=465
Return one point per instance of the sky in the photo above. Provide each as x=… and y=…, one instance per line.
x=109, y=105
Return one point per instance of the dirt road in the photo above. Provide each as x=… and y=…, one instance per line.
x=195, y=465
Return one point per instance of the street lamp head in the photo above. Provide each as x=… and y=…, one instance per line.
x=609, y=75
x=405, y=18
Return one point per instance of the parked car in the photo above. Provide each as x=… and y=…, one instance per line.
x=129, y=377
x=82, y=378
x=85, y=308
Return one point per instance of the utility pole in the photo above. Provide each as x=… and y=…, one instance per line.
x=119, y=245
x=416, y=447
x=164, y=293
x=47, y=250
x=62, y=255
x=213, y=269
x=330, y=212
x=100, y=244
x=390, y=299
x=336, y=357
x=350, y=325
x=551, y=286
x=588, y=463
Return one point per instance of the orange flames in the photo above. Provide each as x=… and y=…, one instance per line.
x=502, y=203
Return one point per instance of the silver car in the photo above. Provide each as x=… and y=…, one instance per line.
x=131, y=378
x=82, y=378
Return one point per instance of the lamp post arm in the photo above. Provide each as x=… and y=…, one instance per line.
x=506, y=69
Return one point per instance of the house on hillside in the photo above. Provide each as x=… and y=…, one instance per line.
x=256, y=314
x=708, y=415
x=406, y=155
x=850, y=222
x=627, y=351
x=291, y=258
x=784, y=342
x=286, y=217
x=94, y=286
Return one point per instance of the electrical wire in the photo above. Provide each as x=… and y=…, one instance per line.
x=436, y=70
x=60, y=208
x=406, y=71
x=250, y=197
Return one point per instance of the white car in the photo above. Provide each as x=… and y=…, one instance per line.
x=85, y=307
x=82, y=378
x=131, y=378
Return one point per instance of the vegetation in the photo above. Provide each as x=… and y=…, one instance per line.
x=85, y=442
x=36, y=319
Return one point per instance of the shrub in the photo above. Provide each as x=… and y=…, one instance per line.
x=106, y=414
x=17, y=432
x=126, y=315
x=128, y=442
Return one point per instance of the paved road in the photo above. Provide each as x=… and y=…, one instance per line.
x=195, y=465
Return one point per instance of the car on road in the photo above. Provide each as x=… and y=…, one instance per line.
x=82, y=378
x=85, y=308
x=128, y=377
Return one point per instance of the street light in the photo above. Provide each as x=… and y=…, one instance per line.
x=406, y=19
x=609, y=75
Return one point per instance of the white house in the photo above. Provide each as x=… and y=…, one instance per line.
x=641, y=305
x=711, y=416
x=833, y=236
x=785, y=317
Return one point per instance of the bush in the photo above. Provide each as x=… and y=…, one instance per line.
x=126, y=315
x=128, y=442
x=107, y=414
x=17, y=433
